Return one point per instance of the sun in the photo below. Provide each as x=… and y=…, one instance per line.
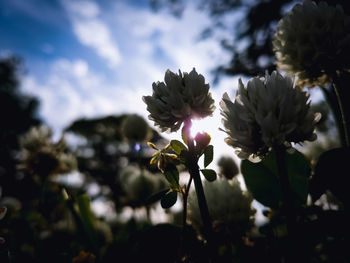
x=200, y=126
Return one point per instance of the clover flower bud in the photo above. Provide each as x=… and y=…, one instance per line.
x=161, y=157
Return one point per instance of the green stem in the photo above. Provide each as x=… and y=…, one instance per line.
x=288, y=201
x=184, y=218
x=333, y=104
x=193, y=168
x=185, y=197
x=337, y=86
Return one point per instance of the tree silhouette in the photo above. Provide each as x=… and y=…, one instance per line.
x=18, y=113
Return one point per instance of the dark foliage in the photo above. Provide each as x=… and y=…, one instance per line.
x=17, y=114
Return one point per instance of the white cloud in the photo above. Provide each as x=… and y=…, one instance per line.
x=163, y=41
x=68, y=91
x=91, y=30
x=71, y=89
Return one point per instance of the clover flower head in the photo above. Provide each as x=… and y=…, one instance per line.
x=229, y=207
x=136, y=129
x=43, y=157
x=180, y=97
x=138, y=185
x=313, y=42
x=269, y=112
x=228, y=167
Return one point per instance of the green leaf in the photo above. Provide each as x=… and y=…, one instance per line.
x=169, y=199
x=330, y=174
x=262, y=178
x=172, y=175
x=184, y=135
x=262, y=183
x=208, y=155
x=156, y=197
x=177, y=146
x=85, y=210
x=87, y=218
x=209, y=174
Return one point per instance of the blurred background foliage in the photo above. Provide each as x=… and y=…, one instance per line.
x=49, y=219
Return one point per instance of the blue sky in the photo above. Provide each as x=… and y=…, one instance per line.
x=88, y=58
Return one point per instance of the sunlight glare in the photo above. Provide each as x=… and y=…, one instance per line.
x=199, y=126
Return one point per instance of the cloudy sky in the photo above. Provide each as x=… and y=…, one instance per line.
x=88, y=58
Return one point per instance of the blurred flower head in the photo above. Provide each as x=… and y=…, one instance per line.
x=182, y=96
x=228, y=167
x=313, y=42
x=43, y=157
x=139, y=185
x=136, y=129
x=270, y=111
x=229, y=207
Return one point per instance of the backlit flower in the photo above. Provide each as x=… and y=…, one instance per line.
x=270, y=111
x=313, y=42
x=182, y=96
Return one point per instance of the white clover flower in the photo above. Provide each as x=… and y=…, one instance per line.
x=43, y=157
x=139, y=185
x=37, y=137
x=182, y=96
x=229, y=207
x=313, y=42
x=271, y=111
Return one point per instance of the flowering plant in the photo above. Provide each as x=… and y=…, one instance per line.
x=270, y=111
x=181, y=97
